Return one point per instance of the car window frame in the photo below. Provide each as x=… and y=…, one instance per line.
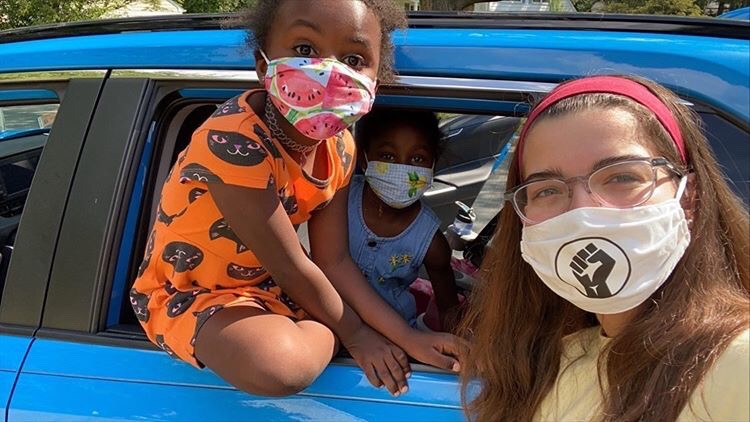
x=91, y=322
x=27, y=278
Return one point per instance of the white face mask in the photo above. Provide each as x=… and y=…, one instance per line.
x=608, y=260
x=398, y=185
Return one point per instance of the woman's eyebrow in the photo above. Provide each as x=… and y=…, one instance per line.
x=546, y=174
x=616, y=159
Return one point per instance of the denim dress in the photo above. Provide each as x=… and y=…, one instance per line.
x=390, y=264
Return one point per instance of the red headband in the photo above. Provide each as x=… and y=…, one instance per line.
x=608, y=85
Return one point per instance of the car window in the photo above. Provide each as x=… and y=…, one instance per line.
x=473, y=145
x=170, y=137
x=18, y=119
x=474, y=148
x=26, y=117
x=731, y=146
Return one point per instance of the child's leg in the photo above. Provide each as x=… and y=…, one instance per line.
x=264, y=353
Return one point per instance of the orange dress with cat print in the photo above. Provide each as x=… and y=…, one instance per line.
x=194, y=264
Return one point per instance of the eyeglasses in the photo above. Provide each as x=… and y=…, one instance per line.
x=623, y=184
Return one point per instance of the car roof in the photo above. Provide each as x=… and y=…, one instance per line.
x=741, y=13
x=705, y=59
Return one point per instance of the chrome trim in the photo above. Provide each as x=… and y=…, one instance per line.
x=536, y=89
x=212, y=75
x=442, y=83
x=462, y=84
x=437, y=191
x=454, y=133
x=51, y=76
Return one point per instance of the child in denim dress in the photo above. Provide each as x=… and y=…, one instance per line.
x=391, y=232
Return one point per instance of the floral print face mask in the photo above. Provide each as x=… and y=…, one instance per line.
x=398, y=185
x=319, y=97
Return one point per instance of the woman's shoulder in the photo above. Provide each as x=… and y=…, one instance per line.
x=725, y=392
x=734, y=360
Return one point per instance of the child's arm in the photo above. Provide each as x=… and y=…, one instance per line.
x=257, y=217
x=329, y=246
x=437, y=261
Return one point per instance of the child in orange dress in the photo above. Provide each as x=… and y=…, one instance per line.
x=225, y=282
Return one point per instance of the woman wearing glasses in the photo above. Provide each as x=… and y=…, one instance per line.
x=617, y=285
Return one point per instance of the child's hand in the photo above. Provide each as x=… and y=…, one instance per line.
x=440, y=350
x=383, y=362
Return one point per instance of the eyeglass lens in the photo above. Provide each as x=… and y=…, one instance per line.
x=619, y=185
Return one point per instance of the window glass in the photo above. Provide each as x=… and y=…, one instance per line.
x=24, y=124
x=731, y=145
x=15, y=119
x=15, y=180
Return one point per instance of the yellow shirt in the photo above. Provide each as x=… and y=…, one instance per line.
x=576, y=396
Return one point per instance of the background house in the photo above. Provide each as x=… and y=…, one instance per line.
x=147, y=8
x=526, y=6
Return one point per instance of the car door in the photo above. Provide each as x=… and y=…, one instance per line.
x=90, y=356
x=38, y=153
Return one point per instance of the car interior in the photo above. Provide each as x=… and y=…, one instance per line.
x=472, y=147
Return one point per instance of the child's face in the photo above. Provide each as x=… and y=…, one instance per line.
x=345, y=30
x=402, y=145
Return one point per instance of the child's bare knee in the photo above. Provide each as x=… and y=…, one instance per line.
x=281, y=380
x=293, y=382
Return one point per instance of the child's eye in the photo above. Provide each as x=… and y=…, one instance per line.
x=387, y=157
x=304, y=50
x=354, y=61
x=417, y=159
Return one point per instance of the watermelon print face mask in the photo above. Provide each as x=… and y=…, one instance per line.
x=319, y=97
x=398, y=185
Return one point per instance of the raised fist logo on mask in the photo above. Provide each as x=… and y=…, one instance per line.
x=592, y=266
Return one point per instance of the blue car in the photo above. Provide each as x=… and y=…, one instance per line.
x=741, y=13
x=76, y=203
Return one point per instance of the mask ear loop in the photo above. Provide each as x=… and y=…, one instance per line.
x=263, y=54
x=681, y=187
x=367, y=162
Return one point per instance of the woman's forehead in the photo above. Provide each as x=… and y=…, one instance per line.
x=574, y=142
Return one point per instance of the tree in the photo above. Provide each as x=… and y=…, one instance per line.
x=654, y=7
x=20, y=13
x=584, y=5
x=215, y=6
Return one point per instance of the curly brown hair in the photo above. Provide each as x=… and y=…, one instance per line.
x=258, y=19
